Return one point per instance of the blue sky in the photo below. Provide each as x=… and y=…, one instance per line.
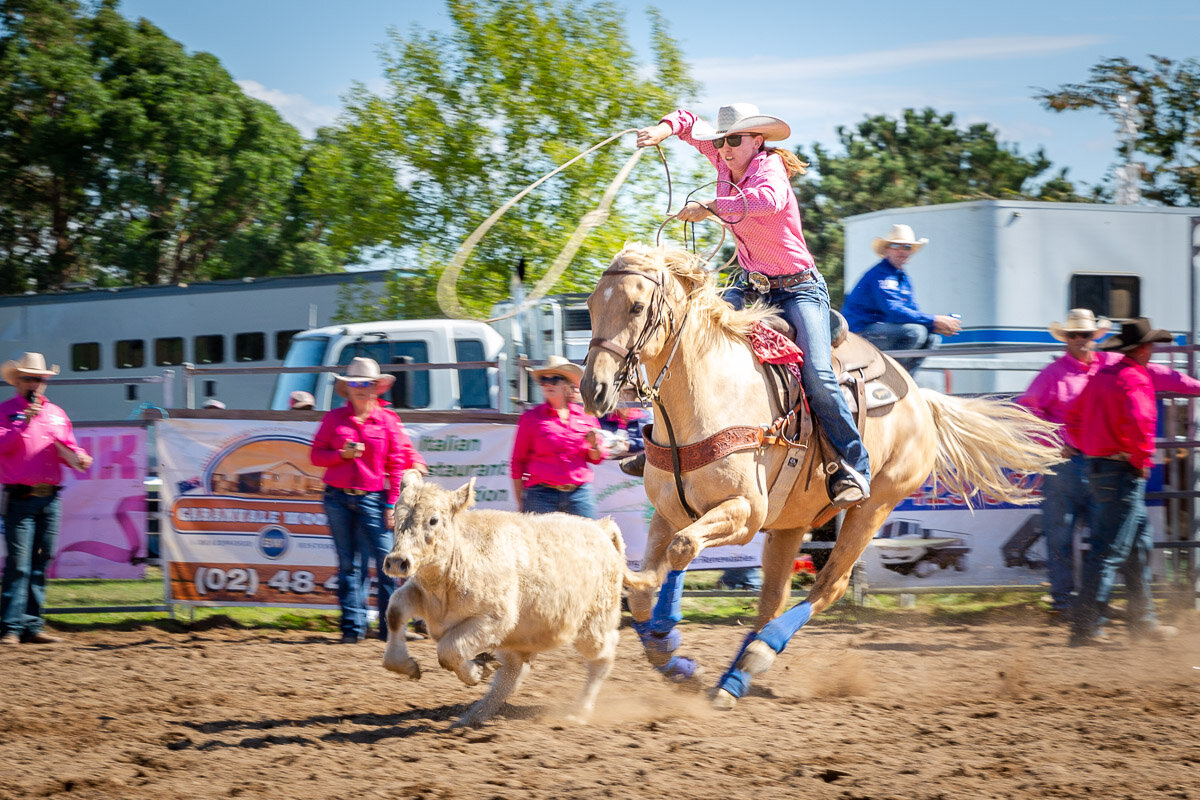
x=817, y=65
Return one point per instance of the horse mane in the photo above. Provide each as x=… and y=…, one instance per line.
x=704, y=297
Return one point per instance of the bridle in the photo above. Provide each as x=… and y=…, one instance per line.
x=658, y=310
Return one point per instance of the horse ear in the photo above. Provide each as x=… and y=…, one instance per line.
x=464, y=497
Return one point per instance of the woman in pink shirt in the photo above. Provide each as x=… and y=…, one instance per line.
x=365, y=450
x=555, y=445
x=764, y=216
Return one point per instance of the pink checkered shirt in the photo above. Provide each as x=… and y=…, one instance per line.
x=767, y=227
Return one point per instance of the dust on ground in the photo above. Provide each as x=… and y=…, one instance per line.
x=995, y=708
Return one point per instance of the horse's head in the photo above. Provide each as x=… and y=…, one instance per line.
x=632, y=316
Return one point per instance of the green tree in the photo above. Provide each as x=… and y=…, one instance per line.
x=469, y=119
x=50, y=110
x=921, y=159
x=1166, y=99
x=127, y=160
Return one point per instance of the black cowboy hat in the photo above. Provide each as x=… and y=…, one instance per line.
x=1133, y=333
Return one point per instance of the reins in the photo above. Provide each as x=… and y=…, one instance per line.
x=631, y=356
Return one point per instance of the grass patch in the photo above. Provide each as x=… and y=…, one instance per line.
x=958, y=608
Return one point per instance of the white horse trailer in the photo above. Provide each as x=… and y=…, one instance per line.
x=1009, y=268
x=128, y=335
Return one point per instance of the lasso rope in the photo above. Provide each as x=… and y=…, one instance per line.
x=447, y=291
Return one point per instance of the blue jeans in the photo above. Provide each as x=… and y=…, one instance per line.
x=1121, y=540
x=1066, y=502
x=30, y=533
x=902, y=336
x=359, y=537
x=806, y=307
x=742, y=578
x=542, y=499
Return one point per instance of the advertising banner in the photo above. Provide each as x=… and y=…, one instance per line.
x=102, y=532
x=244, y=523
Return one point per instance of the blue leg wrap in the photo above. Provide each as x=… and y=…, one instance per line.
x=653, y=640
x=737, y=681
x=679, y=669
x=779, y=631
x=668, y=610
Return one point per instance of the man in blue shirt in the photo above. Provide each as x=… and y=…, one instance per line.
x=882, y=308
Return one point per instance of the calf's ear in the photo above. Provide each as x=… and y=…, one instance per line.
x=464, y=496
x=410, y=485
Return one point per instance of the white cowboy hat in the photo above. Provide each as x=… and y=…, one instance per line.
x=742, y=118
x=363, y=369
x=27, y=364
x=557, y=365
x=899, y=234
x=301, y=400
x=1080, y=320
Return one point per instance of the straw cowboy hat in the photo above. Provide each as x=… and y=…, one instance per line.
x=557, y=365
x=1134, y=333
x=1080, y=320
x=27, y=364
x=899, y=234
x=363, y=369
x=742, y=118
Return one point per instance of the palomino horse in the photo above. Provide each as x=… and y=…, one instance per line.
x=661, y=308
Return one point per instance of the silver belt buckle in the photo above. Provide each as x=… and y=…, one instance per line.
x=758, y=282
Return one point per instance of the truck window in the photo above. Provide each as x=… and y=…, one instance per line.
x=1114, y=296
x=307, y=352
x=412, y=387
x=472, y=383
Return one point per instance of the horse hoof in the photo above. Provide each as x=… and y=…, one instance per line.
x=722, y=700
x=757, y=658
x=409, y=669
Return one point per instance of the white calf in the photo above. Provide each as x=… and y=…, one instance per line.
x=505, y=583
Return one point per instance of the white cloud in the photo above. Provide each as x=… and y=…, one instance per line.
x=297, y=109
x=887, y=61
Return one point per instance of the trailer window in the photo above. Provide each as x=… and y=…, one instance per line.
x=168, y=352
x=209, y=349
x=283, y=340
x=472, y=383
x=85, y=357
x=130, y=354
x=249, y=346
x=1117, y=297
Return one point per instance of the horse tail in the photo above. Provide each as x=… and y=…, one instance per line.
x=981, y=439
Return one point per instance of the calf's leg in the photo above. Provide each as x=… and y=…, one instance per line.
x=513, y=667
x=599, y=666
x=459, y=647
x=395, y=654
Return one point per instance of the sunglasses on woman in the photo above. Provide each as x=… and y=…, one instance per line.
x=359, y=384
x=896, y=246
x=1078, y=335
x=551, y=380
x=735, y=140
x=33, y=378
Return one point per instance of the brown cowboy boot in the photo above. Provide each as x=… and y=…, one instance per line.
x=847, y=487
x=633, y=465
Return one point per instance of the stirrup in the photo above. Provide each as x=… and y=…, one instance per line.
x=848, y=487
x=633, y=465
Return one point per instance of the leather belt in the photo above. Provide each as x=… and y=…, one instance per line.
x=558, y=487
x=20, y=490
x=761, y=282
x=1117, y=457
x=353, y=492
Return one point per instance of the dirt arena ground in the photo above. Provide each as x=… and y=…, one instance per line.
x=994, y=707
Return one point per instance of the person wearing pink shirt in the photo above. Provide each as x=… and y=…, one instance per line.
x=555, y=445
x=36, y=440
x=1113, y=422
x=365, y=450
x=1066, y=498
x=755, y=200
